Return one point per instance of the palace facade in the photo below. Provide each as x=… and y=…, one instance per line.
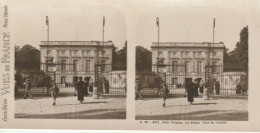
x=65, y=60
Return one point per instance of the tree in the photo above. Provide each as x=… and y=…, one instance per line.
x=143, y=59
x=119, y=60
x=27, y=58
x=240, y=53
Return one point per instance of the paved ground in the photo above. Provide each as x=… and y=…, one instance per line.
x=70, y=108
x=180, y=109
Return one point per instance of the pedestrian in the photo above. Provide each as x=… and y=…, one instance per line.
x=90, y=84
x=28, y=86
x=190, y=90
x=54, y=90
x=201, y=87
x=106, y=84
x=217, y=86
x=86, y=85
x=164, y=92
x=80, y=88
x=138, y=89
x=238, y=88
x=196, y=87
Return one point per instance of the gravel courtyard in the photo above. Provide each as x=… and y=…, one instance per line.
x=180, y=109
x=70, y=108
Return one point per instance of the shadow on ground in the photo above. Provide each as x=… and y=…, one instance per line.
x=200, y=115
x=101, y=114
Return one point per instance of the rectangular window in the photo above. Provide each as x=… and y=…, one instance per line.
x=88, y=65
x=48, y=52
x=187, y=54
x=63, y=80
x=214, y=66
x=75, y=52
x=174, y=53
x=75, y=65
x=63, y=52
x=174, y=66
x=174, y=81
x=88, y=52
x=103, y=64
x=199, y=66
x=187, y=63
x=63, y=65
x=199, y=54
x=160, y=53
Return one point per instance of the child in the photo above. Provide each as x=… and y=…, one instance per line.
x=164, y=92
x=54, y=92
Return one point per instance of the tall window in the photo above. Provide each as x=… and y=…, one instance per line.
x=88, y=52
x=199, y=66
x=63, y=52
x=75, y=65
x=214, y=68
x=87, y=65
x=199, y=54
x=187, y=63
x=48, y=52
x=103, y=64
x=174, y=66
x=160, y=53
x=63, y=65
x=75, y=52
x=187, y=54
x=63, y=80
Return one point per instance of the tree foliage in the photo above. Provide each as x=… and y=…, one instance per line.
x=119, y=60
x=27, y=58
x=143, y=59
x=240, y=53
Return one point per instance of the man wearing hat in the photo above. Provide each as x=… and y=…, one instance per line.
x=54, y=92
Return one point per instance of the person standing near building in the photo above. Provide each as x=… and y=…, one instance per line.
x=196, y=87
x=201, y=87
x=28, y=86
x=190, y=90
x=238, y=88
x=86, y=85
x=164, y=92
x=138, y=89
x=90, y=84
x=217, y=86
x=54, y=90
x=106, y=84
x=80, y=88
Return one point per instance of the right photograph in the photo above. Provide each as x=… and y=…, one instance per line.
x=192, y=64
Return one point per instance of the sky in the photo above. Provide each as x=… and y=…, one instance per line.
x=180, y=21
x=66, y=23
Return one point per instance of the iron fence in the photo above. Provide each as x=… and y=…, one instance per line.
x=67, y=75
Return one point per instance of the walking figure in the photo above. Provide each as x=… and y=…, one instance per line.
x=28, y=86
x=138, y=89
x=54, y=92
x=201, y=87
x=80, y=88
x=164, y=92
x=217, y=86
x=190, y=90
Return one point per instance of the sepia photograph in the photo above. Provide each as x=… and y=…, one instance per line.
x=192, y=67
x=136, y=65
x=70, y=66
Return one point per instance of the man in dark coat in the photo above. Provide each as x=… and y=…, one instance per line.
x=190, y=90
x=106, y=86
x=217, y=86
x=80, y=88
x=86, y=85
x=196, y=87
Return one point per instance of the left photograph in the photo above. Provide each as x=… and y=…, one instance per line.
x=70, y=63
